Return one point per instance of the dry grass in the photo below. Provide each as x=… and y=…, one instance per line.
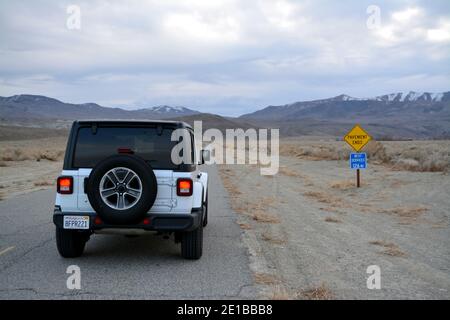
x=257, y=210
x=430, y=165
x=228, y=180
x=43, y=183
x=407, y=214
x=428, y=158
x=30, y=153
x=323, y=197
x=394, y=252
x=14, y=155
x=272, y=239
x=328, y=151
x=279, y=293
x=265, y=217
x=265, y=278
x=333, y=220
x=319, y=196
x=329, y=209
x=50, y=155
x=244, y=226
x=316, y=152
x=318, y=293
x=390, y=249
x=342, y=184
x=377, y=151
x=289, y=172
x=382, y=243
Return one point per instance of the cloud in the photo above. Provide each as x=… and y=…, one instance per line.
x=406, y=15
x=441, y=33
x=224, y=56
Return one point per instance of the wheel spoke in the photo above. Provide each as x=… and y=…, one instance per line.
x=133, y=192
x=108, y=192
x=112, y=176
x=120, y=201
x=129, y=176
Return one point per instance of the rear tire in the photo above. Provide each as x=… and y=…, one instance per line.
x=192, y=243
x=149, y=189
x=70, y=243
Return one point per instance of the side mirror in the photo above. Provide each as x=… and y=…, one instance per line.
x=205, y=156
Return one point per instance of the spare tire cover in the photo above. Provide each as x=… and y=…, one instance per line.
x=122, y=189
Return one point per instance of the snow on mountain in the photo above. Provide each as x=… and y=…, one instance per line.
x=171, y=110
x=410, y=97
x=395, y=97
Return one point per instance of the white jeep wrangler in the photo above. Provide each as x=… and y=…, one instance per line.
x=119, y=176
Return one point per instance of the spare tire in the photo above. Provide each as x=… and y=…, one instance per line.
x=122, y=189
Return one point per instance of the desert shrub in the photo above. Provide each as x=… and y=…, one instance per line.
x=413, y=153
x=431, y=164
x=30, y=154
x=415, y=159
x=49, y=155
x=14, y=155
x=435, y=163
x=406, y=164
x=325, y=153
x=376, y=151
x=418, y=157
x=319, y=152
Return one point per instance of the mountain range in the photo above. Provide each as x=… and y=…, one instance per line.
x=412, y=115
x=409, y=115
x=398, y=105
x=41, y=107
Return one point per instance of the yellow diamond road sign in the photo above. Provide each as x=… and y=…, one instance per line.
x=357, y=138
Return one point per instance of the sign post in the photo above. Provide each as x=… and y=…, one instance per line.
x=358, y=179
x=357, y=138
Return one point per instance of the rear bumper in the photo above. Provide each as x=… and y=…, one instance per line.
x=157, y=222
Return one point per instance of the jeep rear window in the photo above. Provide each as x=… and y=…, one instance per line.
x=93, y=146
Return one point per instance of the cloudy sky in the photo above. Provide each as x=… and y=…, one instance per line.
x=223, y=56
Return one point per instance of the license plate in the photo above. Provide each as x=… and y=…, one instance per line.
x=76, y=222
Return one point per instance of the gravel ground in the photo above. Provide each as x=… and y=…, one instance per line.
x=312, y=234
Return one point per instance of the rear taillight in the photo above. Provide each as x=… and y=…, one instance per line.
x=184, y=187
x=125, y=151
x=64, y=185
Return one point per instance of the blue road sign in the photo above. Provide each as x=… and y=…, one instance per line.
x=358, y=160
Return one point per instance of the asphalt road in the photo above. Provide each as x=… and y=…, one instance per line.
x=115, y=267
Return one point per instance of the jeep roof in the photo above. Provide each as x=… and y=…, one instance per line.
x=179, y=124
